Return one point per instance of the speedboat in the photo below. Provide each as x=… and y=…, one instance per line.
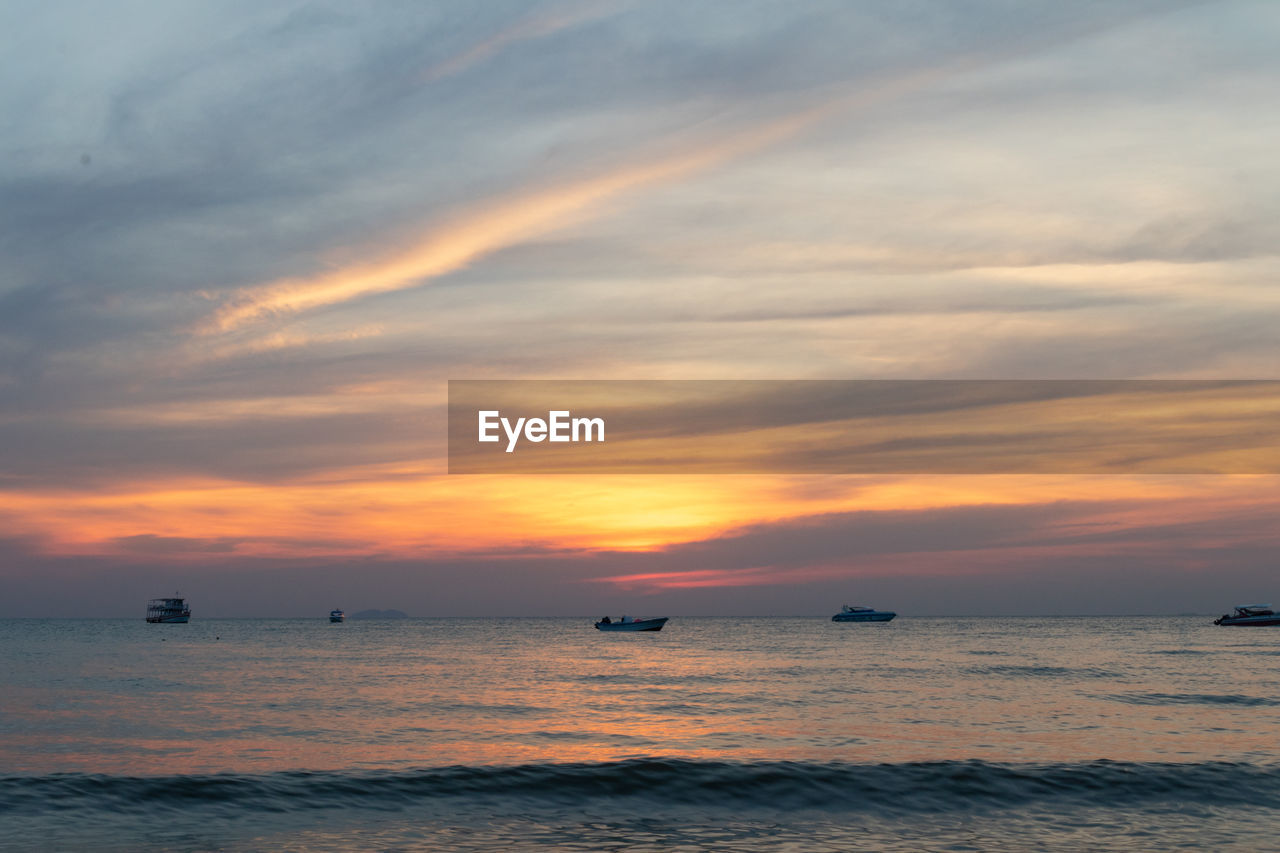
x=336, y=616
x=862, y=614
x=626, y=623
x=1250, y=614
x=168, y=610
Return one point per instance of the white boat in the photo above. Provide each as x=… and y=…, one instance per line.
x=626, y=623
x=168, y=610
x=336, y=615
x=862, y=614
x=1250, y=614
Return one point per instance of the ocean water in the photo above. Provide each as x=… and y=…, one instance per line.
x=716, y=734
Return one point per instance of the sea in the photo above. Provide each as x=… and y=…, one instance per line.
x=738, y=734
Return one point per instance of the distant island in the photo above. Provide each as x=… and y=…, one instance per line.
x=379, y=614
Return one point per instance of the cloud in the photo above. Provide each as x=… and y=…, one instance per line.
x=527, y=216
x=879, y=426
x=148, y=545
x=955, y=542
x=544, y=23
x=453, y=246
x=1189, y=554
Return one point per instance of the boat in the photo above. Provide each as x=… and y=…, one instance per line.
x=1250, y=614
x=862, y=614
x=168, y=610
x=336, y=615
x=626, y=623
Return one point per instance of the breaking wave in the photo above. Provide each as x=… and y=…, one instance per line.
x=927, y=787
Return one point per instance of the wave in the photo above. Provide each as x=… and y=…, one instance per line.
x=1034, y=671
x=924, y=787
x=1192, y=699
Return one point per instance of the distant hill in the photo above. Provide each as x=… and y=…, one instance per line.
x=379, y=614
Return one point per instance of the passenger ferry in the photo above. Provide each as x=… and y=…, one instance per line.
x=168, y=610
x=337, y=615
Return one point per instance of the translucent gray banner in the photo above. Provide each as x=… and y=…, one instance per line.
x=864, y=427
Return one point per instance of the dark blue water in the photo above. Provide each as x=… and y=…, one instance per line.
x=742, y=734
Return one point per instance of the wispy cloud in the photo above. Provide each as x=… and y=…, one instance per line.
x=522, y=217
x=452, y=246
x=959, y=540
x=697, y=578
x=500, y=223
x=531, y=27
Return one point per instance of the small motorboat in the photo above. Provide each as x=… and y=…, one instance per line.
x=626, y=623
x=862, y=614
x=337, y=615
x=1250, y=614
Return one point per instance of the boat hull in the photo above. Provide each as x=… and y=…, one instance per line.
x=169, y=620
x=336, y=618
x=1248, y=621
x=878, y=616
x=638, y=625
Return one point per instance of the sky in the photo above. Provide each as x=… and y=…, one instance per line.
x=244, y=247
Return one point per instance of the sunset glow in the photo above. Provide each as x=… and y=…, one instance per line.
x=238, y=285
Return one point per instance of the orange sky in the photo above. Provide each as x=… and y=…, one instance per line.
x=406, y=514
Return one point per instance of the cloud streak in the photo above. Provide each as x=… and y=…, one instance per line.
x=453, y=246
x=487, y=228
x=957, y=541
x=526, y=29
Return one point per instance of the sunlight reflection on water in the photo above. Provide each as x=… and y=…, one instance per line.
x=121, y=696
